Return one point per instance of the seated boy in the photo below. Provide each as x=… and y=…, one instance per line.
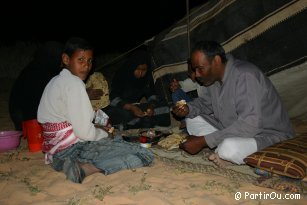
x=72, y=143
x=180, y=89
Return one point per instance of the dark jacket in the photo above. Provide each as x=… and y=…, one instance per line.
x=125, y=87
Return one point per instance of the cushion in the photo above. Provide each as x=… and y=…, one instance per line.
x=287, y=158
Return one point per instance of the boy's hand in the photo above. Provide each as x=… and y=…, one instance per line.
x=94, y=94
x=150, y=110
x=108, y=128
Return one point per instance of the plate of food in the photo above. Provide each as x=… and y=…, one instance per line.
x=150, y=136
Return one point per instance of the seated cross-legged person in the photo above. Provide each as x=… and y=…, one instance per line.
x=240, y=111
x=131, y=84
x=184, y=90
x=72, y=143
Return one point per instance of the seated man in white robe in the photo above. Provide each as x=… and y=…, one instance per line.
x=240, y=111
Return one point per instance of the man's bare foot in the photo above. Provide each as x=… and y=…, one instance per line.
x=218, y=161
x=207, y=152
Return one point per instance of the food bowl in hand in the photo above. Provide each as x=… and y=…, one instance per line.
x=9, y=140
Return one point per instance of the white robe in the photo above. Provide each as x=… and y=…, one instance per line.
x=65, y=99
x=188, y=85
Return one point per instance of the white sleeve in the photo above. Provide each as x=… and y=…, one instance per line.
x=80, y=113
x=188, y=85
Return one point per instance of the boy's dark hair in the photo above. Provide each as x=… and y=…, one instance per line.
x=76, y=43
x=211, y=49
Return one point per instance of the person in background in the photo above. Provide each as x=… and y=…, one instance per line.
x=180, y=90
x=97, y=88
x=29, y=85
x=72, y=143
x=240, y=111
x=132, y=83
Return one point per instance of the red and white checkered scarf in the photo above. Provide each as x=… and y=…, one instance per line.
x=57, y=137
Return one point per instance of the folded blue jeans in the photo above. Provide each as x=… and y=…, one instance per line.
x=108, y=155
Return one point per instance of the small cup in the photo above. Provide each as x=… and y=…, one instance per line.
x=143, y=139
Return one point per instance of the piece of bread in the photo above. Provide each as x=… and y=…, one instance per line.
x=98, y=81
x=172, y=141
x=181, y=103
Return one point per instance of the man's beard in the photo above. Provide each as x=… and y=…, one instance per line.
x=203, y=81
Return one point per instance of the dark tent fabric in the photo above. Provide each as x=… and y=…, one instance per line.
x=248, y=29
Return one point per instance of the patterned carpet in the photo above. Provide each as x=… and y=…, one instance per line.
x=242, y=173
x=236, y=173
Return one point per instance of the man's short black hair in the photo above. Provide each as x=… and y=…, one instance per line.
x=211, y=49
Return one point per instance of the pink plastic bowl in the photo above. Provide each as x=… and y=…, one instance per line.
x=9, y=140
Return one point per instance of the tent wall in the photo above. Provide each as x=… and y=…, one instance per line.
x=291, y=85
x=269, y=33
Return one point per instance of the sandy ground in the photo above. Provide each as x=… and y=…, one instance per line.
x=25, y=179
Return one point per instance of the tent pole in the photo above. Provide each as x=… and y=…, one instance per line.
x=188, y=28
